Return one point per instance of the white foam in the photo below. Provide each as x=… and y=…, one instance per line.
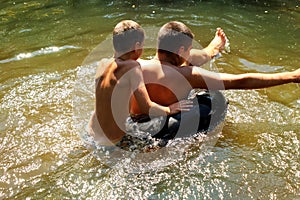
x=42, y=51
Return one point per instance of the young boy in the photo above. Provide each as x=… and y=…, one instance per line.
x=117, y=80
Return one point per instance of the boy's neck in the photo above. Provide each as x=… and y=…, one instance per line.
x=172, y=59
x=126, y=56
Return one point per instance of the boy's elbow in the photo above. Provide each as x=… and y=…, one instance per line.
x=145, y=108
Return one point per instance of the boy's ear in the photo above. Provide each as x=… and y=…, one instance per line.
x=181, y=50
x=137, y=46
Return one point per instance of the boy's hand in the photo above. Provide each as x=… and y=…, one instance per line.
x=181, y=106
x=297, y=76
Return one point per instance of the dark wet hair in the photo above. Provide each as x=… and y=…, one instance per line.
x=172, y=36
x=126, y=34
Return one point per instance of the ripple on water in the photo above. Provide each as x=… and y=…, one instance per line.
x=42, y=51
x=281, y=158
x=255, y=107
x=250, y=66
x=37, y=127
x=40, y=155
x=257, y=157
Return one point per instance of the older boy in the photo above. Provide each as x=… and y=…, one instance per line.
x=169, y=76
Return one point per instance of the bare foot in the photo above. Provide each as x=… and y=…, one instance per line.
x=217, y=44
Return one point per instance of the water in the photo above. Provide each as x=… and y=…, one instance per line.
x=45, y=45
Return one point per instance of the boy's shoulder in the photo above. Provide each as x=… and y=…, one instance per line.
x=102, y=66
x=118, y=64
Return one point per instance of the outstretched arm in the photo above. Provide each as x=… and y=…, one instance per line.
x=259, y=80
x=222, y=81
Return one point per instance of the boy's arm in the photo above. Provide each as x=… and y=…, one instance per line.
x=198, y=57
x=220, y=81
x=259, y=80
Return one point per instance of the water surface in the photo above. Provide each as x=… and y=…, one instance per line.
x=45, y=45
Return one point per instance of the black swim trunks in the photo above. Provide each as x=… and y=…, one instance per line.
x=186, y=124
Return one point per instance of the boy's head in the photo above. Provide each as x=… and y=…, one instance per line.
x=172, y=37
x=127, y=36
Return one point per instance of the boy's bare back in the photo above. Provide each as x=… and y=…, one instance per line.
x=114, y=86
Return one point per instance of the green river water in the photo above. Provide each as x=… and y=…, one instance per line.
x=46, y=98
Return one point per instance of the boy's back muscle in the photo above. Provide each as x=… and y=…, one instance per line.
x=112, y=90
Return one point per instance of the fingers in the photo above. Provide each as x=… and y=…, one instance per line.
x=181, y=106
x=185, y=105
x=186, y=102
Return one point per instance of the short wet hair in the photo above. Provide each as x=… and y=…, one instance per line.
x=126, y=34
x=173, y=35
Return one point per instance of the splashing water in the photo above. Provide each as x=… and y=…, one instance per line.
x=42, y=157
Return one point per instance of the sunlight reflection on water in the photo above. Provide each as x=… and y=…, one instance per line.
x=49, y=145
x=42, y=156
